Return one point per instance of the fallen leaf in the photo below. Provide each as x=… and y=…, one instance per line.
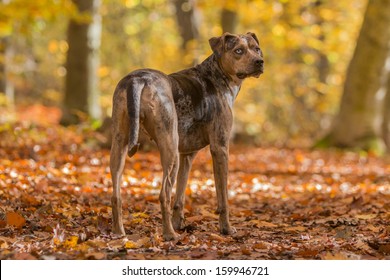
x=96, y=256
x=71, y=242
x=308, y=253
x=16, y=220
x=374, y=228
x=195, y=219
x=334, y=256
x=296, y=229
x=384, y=248
x=116, y=244
x=366, y=216
x=260, y=246
x=131, y=245
x=30, y=200
x=261, y=224
x=245, y=250
x=217, y=237
x=24, y=256
x=140, y=215
x=344, y=233
x=96, y=243
x=357, y=202
x=103, y=224
x=3, y=244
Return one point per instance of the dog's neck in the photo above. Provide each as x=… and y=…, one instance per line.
x=230, y=87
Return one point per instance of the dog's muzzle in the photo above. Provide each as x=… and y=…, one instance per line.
x=259, y=64
x=257, y=70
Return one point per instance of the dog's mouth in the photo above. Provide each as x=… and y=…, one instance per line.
x=242, y=75
x=256, y=74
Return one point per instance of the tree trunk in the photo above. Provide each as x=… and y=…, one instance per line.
x=188, y=24
x=6, y=85
x=386, y=113
x=81, y=84
x=322, y=59
x=229, y=20
x=358, y=123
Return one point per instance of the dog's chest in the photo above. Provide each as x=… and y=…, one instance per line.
x=231, y=94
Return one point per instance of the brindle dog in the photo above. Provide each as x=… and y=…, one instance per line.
x=183, y=112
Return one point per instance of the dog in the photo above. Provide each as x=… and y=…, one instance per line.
x=183, y=112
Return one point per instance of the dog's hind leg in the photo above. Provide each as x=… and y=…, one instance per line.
x=166, y=137
x=182, y=178
x=170, y=164
x=117, y=163
x=120, y=128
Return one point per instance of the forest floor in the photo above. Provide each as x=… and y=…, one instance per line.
x=55, y=191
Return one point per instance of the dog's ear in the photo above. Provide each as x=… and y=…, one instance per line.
x=253, y=35
x=224, y=42
x=216, y=45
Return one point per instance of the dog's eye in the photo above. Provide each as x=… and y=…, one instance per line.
x=258, y=50
x=238, y=51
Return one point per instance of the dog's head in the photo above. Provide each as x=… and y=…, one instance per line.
x=240, y=55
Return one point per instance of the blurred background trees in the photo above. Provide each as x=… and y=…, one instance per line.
x=307, y=44
x=82, y=64
x=362, y=116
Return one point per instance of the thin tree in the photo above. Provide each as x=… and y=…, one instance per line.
x=6, y=86
x=81, y=84
x=386, y=113
x=187, y=21
x=229, y=20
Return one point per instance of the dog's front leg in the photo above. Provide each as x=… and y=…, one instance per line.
x=220, y=155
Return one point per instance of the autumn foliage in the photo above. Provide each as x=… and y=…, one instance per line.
x=307, y=46
x=55, y=191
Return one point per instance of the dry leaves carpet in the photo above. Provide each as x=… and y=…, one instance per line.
x=55, y=191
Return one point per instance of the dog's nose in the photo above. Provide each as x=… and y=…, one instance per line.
x=259, y=62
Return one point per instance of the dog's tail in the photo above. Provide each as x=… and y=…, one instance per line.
x=134, y=90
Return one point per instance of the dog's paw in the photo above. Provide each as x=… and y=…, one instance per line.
x=228, y=230
x=178, y=222
x=170, y=236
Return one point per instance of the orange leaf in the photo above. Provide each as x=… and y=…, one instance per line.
x=245, y=250
x=131, y=245
x=297, y=228
x=16, y=220
x=260, y=246
x=261, y=224
x=71, y=242
x=30, y=200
